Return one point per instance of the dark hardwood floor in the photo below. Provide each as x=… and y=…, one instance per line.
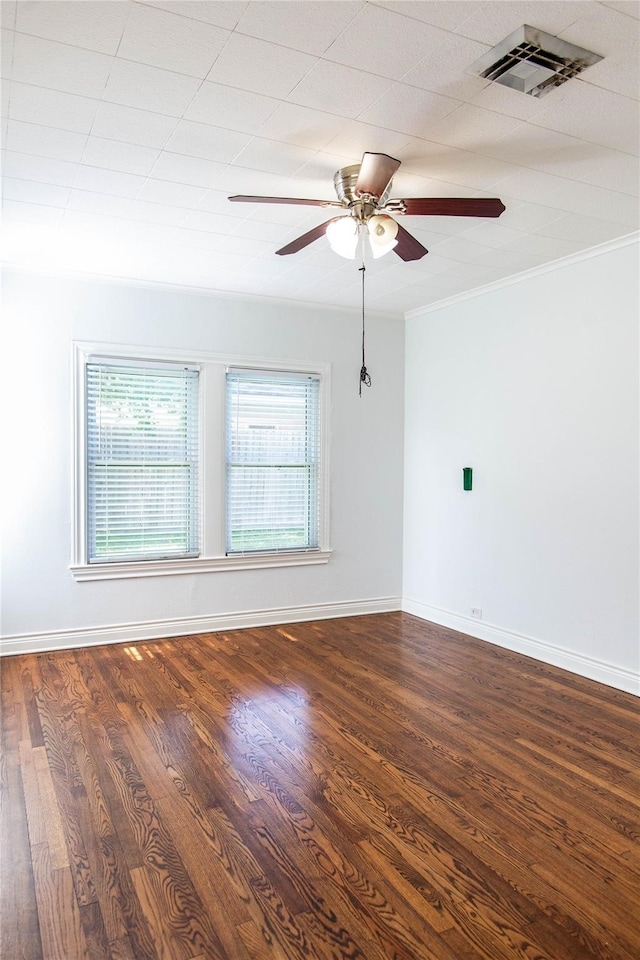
x=373, y=787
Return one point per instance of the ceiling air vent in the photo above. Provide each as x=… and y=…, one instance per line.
x=533, y=62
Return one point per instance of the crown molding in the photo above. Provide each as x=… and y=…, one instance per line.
x=603, y=248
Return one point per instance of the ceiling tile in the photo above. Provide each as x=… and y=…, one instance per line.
x=211, y=222
x=444, y=68
x=439, y=13
x=189, y=170
x=168, y=192
x=315, y=179
x=303, y=218
x=227, y=107
x=458, y=248
x=272, y=157
x=217, y=201
x=255, y=183
x=115, y=155
x=591, y=201
x=549, y=247
x=250, y=64
x=149, y=88
x=6, y=53
x=44, y=141
x=157, y=213
x=494, y=20
x=490, y=233
x=532, y=146
x=591, y=113
x=260, y=230
x=340, y=90
x=394, y=43
x=313, y=33
x=128, y=124
x=15, y=210
x=454, y=166
x=581, y=229
x=302, y=126
x=629, y=7
x=401, y=108
x=511, y=103
x=86, y=201
x=505, y=259
x=357, y=137
x=94, y=26
x=163, y=39
x=527, y=217
x=621, y=77
x=606, y=32
x=8, y=14
x=108, y=181
x=29, y=191
x=42, y=169
x=207, y=142
x=229, y=243
x=470, y=128
x=60, y=66
x=52, y=108
x=222, y=13
x=600, y=167
x=200, y=239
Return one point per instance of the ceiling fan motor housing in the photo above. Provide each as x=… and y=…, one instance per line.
x=345, y=183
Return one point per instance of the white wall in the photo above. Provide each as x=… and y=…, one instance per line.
x=42, y=605
x=535, y=386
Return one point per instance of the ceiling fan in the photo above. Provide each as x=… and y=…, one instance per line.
x=363, y=192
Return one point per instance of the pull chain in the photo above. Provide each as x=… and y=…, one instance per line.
x=364, y=374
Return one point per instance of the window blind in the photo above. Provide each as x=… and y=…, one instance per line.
x=142, y=461
x=273, y=450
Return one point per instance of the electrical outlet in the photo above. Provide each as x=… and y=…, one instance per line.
x=476, y=613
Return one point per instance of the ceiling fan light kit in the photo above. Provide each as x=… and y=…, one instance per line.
x=532, y=61
x=363, y=192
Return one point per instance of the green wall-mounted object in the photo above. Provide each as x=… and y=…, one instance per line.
x=467, y=478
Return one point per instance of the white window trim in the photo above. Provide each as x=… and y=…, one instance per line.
x=213, y=557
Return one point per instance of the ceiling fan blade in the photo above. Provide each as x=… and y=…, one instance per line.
x=449, y=207
x=408, y=248
x=376, y=170
x=300, y=200
x=300, y=242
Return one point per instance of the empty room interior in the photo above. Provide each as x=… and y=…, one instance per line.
x=320, y=623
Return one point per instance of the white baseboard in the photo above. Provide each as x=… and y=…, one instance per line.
x=159, y=629
x=588, y=667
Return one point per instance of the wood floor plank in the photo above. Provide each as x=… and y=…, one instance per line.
x=19, y=927
x=368, y=788
x=58, y=911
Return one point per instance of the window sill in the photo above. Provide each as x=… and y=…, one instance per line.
x=165, y=568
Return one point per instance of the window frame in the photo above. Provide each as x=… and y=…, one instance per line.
x=257, y=374
x=212, y=417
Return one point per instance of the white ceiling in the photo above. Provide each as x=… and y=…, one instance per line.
x=127, y=124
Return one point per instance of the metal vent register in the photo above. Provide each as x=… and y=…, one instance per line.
x=533, y=62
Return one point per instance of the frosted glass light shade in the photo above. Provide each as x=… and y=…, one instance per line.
x=382, y=234
x=342, y=235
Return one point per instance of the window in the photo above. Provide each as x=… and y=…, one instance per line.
x=272, y=461
x=142, y=461
x=154, y=492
